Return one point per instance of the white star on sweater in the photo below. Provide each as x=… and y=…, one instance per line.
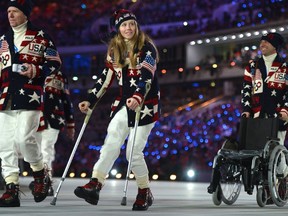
x=146, y=111
x=247, y=103
x=21, y=91
x=61, y=120
x=34, y=97
x=40, y=33
x=273, y=93
x=94, y=91
x=132, y=82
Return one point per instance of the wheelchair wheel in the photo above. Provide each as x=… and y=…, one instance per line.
x=277, y=181
x=230, y=183
x=261, y=197
x=217, y=196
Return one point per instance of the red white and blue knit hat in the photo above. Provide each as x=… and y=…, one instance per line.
x=121, y=16
x=24, y=5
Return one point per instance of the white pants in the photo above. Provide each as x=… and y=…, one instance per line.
x=46, y=140
x=17, y=132
x=117, y=132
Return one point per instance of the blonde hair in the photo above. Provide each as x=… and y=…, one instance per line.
x=118, y=48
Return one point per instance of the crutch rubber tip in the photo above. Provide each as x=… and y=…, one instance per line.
x=124, y=201
x=53, y=202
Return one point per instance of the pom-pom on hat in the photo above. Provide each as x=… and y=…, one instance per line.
x=274, y=38
x=24, y=5
x=120, y=16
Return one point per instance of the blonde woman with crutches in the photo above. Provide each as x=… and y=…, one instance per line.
x=131, y=59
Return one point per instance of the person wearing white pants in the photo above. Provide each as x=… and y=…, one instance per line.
x=131, y=58
x=27, y=56
x=58, y=115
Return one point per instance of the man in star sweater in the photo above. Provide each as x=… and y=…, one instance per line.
x=264, y=92
x=27, y=56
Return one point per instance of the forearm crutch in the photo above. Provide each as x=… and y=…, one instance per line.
x=86, y=120
x=137, y=118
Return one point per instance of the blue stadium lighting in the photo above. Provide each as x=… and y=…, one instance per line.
x=164, y=152
x=188, y=108
x=219, y=115
x=201, y=140
x=165, y=145
x=167, y=139
x=78, y=56
x=174, y=151
x=174, y=141
x=210, y=164
x=205, y=132
x=200, y=96
x=146, y=153
x=188, y=137
x=93, y=147
x=217, y=136
x=83, y=6
x=186, y=148
x=225, y=112
x=123, y=147
x=259, y=15
x=190, y=122
x=230, y=119
x=195, y=84
x=174, y=131
x=158, y=157
x=76, y=91
x=244, y=6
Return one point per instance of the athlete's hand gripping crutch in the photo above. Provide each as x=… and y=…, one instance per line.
x=86, y=120
x=137, y=118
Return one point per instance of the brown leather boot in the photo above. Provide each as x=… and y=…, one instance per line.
x=42, y=183
x=144, y=199
x=90, y=191
x=11, y=197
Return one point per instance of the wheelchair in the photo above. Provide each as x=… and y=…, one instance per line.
x=257, y=160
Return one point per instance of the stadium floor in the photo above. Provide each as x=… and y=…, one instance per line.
x=171, y=199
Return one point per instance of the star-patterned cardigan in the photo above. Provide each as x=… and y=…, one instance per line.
x=132, y=83
x=265, y=94
x=37, y=48
x=58, y=108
